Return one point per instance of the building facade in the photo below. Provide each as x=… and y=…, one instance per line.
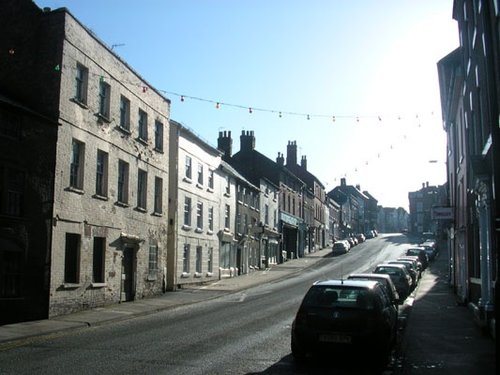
x=195, y=208
x=108, y=233
x=470, y=99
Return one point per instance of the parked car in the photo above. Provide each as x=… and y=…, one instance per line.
x=369, y=234
x=385, y=280
x=361, y=237
x=421, y=254
x=351, y=241
x=340, y=247
x=409, y=267
x=399, y=275
x=339, y=317
x=413, y=258
x=415, y=264
x=431, y=248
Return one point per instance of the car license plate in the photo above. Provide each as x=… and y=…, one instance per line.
x=341, y=339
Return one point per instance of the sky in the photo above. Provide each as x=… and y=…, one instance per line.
x=354, y=83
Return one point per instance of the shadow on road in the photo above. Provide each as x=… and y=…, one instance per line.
x=319, y=366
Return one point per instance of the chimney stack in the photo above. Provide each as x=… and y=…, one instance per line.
x=343, y=182
x=247, y=141
x=225, y=144
x=291, y=153
x=280, y=160
x=303, y=162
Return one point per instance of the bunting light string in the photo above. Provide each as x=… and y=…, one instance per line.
x=391, y=147
x=219, y=104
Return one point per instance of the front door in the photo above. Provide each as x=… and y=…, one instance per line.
x=128, y=274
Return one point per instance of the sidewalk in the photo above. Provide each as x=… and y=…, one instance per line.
x=185, y=296
x=441, y=337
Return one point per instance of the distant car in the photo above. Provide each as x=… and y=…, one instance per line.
x=340, y=247
x=369, y=234
x=339, y=317
x=400, y=277
x=421, y=254
x=385, y=280
x=430, y=250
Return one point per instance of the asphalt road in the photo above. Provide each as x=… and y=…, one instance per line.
x=242, y=333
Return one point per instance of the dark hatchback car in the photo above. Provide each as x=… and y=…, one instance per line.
x=339, y=317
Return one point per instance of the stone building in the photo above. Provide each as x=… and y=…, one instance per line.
x=194, y=210
x=108, y=232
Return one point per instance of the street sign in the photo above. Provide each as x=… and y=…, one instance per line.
x=441, y=213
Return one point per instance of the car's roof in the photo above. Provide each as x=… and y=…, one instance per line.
x=395, y=265
x=370, y=275
x=347, y=283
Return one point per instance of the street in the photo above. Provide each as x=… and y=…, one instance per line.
x=242, y=333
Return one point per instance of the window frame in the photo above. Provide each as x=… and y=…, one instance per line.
x=188, y=167
x=77, y=164
x=186, y=258
x=71, y=273
x=101, y=180
x=199, y=259
x=158, y=201
x=104, y=99
x=142, y=125
x=124, y=113
x=122, y=195
x=81, y=84
x=142, y=189
x=187, y=211
x=159, y=135
x=199, y=216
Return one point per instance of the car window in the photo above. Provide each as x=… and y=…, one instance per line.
x=338, y=296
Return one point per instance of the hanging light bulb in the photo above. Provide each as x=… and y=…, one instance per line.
x=250, y=110
x=217, y=105
x=280, y=115
x=333, y=118
x=308, y=117
x=144, y=89
x=379, y=118
x=182, y=98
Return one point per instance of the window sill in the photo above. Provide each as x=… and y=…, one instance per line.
x=157, y=214
x=209, y=274
x=199, y=230
x=188, y=180
x=80, y=103
x=103, y=118
x=98, y=285
x=210, y=232
x=198, y=275
x=185, y=275
x=70, y=286
x=122, y=204
x=158, y=150
x=142, y=140
x=124, y=130
x=227, y=195
x=210, y=190
x=186, y=227
x=100, y=197
x=75, y=190
x=140, y=209
x=151, y=278
x=199, y=186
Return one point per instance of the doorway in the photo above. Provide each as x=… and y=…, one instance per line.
x=128, y=274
